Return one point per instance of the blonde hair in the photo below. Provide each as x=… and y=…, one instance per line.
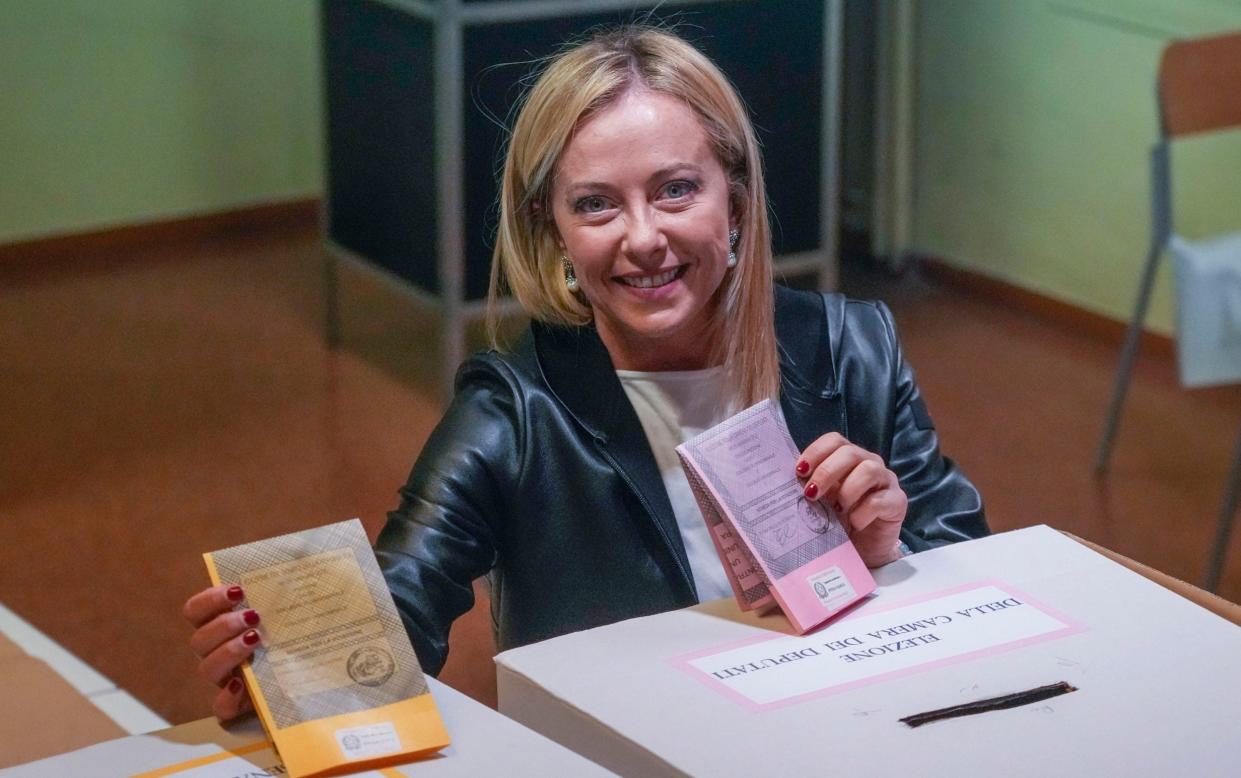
x=576, y=84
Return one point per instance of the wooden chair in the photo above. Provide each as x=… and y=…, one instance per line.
x=1198, y=90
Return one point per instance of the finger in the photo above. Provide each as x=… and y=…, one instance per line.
x=832, y=470
x=209, y=603
x=232, y=701
x=819, y=450
x=217, y=666
x=226, y=626
x=867, y=476
x=885, y=506
x=880, y=515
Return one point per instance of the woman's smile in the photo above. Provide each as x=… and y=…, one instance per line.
x=653, y=281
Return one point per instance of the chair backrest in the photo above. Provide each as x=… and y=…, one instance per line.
x=1200, y=85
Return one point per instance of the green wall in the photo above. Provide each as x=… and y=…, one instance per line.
x=120, y=111
x=1034, y=122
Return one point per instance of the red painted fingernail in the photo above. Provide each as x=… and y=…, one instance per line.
x=235, y=593
x=250, y=638
x=234, y=686
x=803, y=467
x=251, y=618
x=812, y=490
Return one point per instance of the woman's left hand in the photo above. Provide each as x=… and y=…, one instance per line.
x=861, y=489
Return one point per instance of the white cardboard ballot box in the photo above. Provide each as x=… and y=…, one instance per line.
x=483, y=743
x=712, y=691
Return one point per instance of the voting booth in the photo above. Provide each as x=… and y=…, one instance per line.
x=1141, y=680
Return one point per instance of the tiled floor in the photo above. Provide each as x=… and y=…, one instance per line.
x=119, y=705
x=162, y=403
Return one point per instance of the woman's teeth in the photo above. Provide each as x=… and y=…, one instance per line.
x=646, y=282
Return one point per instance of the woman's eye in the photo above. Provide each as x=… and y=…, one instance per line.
x=591, y=205
x=678, y=189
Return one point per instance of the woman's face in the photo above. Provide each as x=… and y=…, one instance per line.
x=642, y=208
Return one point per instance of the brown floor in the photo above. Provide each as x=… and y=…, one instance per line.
x=160, y=403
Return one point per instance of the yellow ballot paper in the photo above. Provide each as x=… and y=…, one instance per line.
x=334, y=680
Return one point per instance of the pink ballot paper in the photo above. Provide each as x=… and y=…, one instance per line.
x=774, y=543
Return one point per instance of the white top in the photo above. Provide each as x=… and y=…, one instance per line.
x=674, y=407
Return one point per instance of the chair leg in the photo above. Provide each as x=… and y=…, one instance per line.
x=1128, y=356
x=1227, y=516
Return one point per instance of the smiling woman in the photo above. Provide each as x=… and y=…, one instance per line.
x=642, y=210
x=633, y=230
x=633, y=158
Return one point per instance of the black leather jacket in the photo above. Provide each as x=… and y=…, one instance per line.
x=540, y=474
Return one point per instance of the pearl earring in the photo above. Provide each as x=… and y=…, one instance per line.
x=570, y=278
x=733, y=235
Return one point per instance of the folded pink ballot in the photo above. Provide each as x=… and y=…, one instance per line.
x=774, y=543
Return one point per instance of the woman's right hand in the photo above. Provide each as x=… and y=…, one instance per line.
x=223, y=638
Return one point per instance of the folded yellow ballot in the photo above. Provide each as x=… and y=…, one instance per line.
x=334, y=680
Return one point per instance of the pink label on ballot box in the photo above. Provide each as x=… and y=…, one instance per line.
x=877, y=643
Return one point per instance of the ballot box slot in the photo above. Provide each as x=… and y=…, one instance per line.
x=1003, y=702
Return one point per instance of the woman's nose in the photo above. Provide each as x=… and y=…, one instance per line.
x=643, y=237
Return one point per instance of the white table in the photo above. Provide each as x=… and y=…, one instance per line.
x=484, y=743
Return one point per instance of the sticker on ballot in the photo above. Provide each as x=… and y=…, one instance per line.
x=368, y=741
x=832, y=587
x=876, y=644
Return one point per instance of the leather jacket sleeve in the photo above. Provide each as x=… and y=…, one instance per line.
x=944, y=507
x=445, y=532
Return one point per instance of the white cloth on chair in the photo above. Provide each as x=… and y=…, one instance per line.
x=1208, y=302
